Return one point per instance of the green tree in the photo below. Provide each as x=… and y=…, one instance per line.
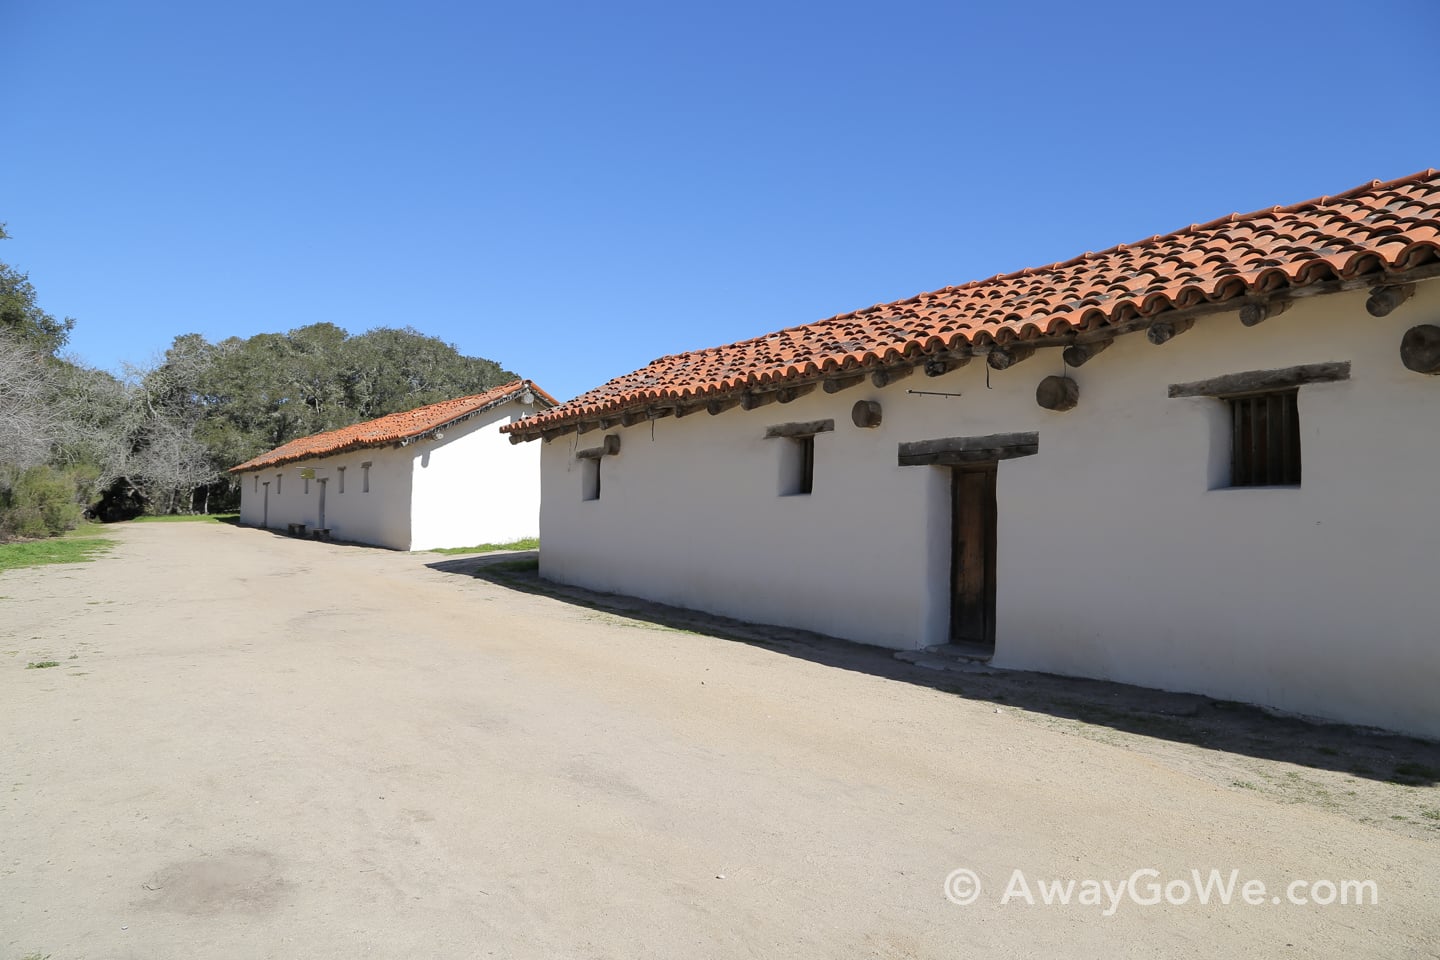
x=22, y=319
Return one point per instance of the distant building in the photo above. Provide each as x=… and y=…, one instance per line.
x=438, y=476
x=1207, y=461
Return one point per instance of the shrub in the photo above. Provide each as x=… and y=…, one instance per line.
x=38, y=502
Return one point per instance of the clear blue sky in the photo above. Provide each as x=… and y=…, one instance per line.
x=576, y=189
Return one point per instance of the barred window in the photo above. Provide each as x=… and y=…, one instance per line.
x=1265, y=440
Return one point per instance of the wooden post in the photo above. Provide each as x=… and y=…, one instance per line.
x=1078, y=354
x=787, y=394
x=1163, y=331
x=1003, y=358
x=1384, y=299
x=865, y=413
x=1057, y=393
x=888, y=375
x=836, y=384
x=941, y=365
x=1256, y=312
x=749, y=401
x=1420, y=349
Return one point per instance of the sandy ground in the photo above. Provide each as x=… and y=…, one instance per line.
x=260, y=747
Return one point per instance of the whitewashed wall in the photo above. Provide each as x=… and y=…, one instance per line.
x=1116, y=559
x=475, y=486
x=380, y=517
x=472, y=487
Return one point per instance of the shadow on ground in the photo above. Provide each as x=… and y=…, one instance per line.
x=1181, y=717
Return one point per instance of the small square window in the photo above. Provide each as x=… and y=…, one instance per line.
x=590, y=478
x=1265, y=440
x=797, y=466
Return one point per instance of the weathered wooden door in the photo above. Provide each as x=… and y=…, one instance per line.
x=972, y=601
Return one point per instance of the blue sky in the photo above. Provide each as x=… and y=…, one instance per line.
x=576, y=189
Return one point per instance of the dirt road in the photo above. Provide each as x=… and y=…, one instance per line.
x=260, y=747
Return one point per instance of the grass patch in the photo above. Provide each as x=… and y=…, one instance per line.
x=528, y=543
x=41, y=664
x=36, y=553
x=191, y=518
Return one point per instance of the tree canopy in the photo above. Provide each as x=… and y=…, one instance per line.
x=166, y=430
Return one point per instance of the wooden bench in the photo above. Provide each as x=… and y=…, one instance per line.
x=321, y=533
x=296, y=529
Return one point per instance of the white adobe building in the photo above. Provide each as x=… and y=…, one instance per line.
x=438, y=476
x=1204, y=462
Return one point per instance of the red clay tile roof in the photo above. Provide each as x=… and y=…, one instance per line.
x=1373, y=229
x=393, y=427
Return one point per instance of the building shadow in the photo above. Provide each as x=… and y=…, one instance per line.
x=1180, y=717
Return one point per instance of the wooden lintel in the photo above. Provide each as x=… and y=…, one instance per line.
x=1262, y=381
x=1003, y=358
x=1420, y=349
x=1256, y=312
x=608, y=448
x=749, y=401
x=836, y=384
x=1079, y=354
x=1385, y=298
x=888, y=375
x=953, y=451
x=787, y=394
x=806, y=428
x=1163, y=331
x=719, y=405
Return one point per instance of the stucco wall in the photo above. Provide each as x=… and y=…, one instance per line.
x=472, y=487
x=475, y=486
x=380, y=517
x=1116, y=558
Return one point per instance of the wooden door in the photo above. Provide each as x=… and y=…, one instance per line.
x=972, y=601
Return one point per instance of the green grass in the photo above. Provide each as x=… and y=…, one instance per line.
x=36, y=553
x=41, y=664
x=529, y=543
x=191, y=518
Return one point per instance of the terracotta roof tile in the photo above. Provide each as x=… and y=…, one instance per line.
x=1372, y=229
x=393, y=427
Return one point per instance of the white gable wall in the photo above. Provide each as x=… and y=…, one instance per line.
x=475, y=486
x=1116, y=559
x=380, y=517
x=472, y=487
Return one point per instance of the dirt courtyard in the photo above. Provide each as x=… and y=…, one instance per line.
x=260, y=747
